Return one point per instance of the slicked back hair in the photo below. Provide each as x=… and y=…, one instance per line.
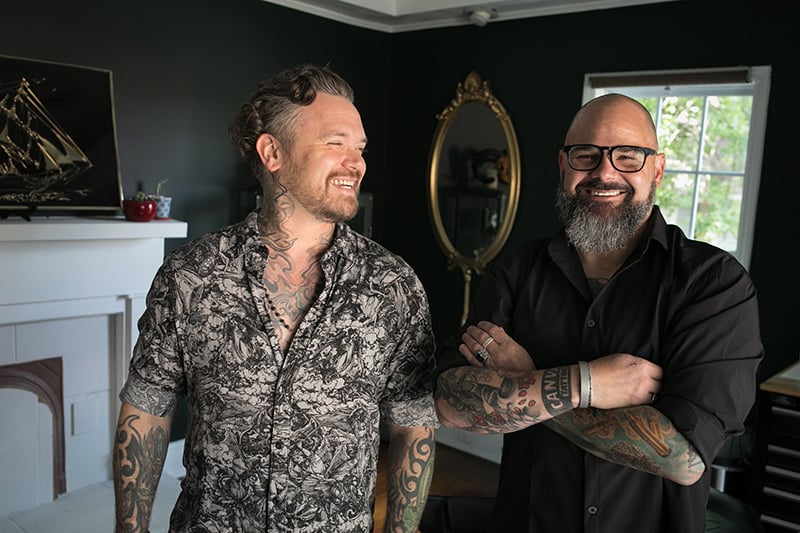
x=275, y=105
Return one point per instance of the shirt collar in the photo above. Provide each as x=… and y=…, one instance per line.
x=344, y=243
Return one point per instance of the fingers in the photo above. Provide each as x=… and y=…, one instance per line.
x=477, y=357
x=478, y=343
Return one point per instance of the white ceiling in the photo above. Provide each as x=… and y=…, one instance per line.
x=405, y=15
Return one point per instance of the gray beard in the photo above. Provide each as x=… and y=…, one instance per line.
x=594, y=228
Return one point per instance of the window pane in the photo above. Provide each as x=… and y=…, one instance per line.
x=719, y=210
x=679, y=131
x=728, y=125
x=674, y=197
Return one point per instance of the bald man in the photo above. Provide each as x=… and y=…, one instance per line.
x=616, y=356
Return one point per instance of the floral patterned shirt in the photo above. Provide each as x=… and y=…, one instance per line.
x=282, y=442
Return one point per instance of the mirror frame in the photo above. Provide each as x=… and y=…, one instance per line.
x=473, y=89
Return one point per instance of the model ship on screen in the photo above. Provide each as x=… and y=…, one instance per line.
x=34, y=150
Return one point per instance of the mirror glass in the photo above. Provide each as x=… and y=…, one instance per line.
x=474, y=179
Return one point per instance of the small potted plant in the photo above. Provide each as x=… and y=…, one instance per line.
x=163, y=203
x=140, y=208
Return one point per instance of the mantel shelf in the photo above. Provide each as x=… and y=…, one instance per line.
x=88, y=228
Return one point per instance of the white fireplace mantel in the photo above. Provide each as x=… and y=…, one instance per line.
x=59, y=275
x=53, y=259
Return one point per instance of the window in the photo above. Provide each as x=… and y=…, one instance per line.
x=711, y=126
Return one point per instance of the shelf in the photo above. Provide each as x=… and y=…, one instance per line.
x=786, y=382
x=88, y=228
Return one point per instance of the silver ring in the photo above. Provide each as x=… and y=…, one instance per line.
x=482, y=355
x=488, y=341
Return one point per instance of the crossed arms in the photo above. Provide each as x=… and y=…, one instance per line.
x=510, y=394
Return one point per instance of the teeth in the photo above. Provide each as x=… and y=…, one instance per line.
x=342, y=183
x=604, y=193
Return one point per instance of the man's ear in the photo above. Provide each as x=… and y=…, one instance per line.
x=660, y=162
x=267, y=147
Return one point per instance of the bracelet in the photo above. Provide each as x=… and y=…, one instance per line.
x=586, y=385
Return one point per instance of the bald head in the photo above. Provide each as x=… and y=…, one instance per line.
x=611, y=120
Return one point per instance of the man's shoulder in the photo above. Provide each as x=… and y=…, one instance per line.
x=215, y=246
x=369, y=253
x=694, y=252
x=702, y=264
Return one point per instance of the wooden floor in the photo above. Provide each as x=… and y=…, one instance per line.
x=455, y=473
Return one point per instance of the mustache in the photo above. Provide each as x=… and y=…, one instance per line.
x=596, y=184
x=354, y=174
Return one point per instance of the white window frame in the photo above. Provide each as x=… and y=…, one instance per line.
x=757, y=84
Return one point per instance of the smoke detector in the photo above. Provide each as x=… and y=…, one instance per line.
x=480, y=17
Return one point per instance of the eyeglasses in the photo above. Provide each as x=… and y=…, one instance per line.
x=623, y=158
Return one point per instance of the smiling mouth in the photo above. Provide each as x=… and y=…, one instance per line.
x=606, y=194
x=344, y=183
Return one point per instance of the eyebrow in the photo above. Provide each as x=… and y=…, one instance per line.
x=337, y=133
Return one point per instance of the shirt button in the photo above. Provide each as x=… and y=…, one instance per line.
x=590, y=323
x=592, y=509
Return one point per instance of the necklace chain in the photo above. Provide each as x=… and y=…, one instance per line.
x=274, y=311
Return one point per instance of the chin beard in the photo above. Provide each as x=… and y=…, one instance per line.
x=595, y=228
x=336, y=216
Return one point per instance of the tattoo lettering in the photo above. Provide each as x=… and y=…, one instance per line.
x=557, y=389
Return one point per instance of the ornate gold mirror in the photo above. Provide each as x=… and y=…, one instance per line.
x=473, y=187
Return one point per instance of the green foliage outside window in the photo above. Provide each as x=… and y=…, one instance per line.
x=705, y=140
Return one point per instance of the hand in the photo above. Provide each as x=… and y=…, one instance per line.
x=503, y=352
x=623, y=380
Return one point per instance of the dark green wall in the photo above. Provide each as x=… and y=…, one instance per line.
x=182, y=67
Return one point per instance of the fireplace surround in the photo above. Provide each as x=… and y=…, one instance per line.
x=71, y=291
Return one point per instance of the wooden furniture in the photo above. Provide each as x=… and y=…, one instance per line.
x=779, y=445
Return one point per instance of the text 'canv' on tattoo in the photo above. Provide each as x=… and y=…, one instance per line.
x=557, y=389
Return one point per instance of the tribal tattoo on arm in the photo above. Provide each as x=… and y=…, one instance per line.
x=409, y=474
x=489, y=401
x=639, y=437
x=140, y=451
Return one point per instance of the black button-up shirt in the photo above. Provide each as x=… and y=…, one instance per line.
x=682, y=304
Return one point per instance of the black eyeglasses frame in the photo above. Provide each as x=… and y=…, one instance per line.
x=610, y=149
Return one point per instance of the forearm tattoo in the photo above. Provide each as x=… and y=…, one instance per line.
x=410, y=470
x=512, y=404
x=138, y=461
x=557, y=389
x=639, y=437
